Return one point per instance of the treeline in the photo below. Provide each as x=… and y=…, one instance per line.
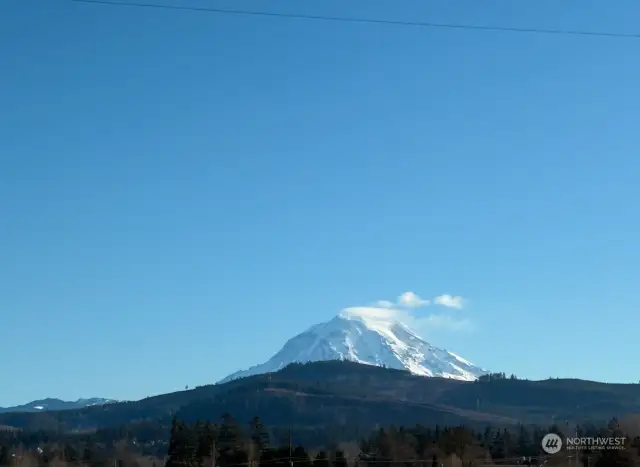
x=231, y=443
x=494, y=377
x=351, y=398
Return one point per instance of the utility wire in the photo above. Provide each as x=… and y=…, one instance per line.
x=343, y=19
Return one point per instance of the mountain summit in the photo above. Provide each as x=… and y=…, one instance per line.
x=373, y=338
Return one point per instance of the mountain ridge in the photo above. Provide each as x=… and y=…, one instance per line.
x=329, y=394
x=50, y=404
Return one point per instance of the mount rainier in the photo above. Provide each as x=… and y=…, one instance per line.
x=373, y=339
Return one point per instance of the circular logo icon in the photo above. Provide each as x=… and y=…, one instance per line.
x=551, y=443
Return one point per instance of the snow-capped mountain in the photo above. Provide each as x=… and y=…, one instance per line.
x=373, y=339
x=47, y=405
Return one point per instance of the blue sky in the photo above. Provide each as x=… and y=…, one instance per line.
x=182, y=192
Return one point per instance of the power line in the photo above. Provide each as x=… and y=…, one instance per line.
x=343, y=19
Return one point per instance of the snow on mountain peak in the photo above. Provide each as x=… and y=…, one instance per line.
x=380, y=319
x=372, y=336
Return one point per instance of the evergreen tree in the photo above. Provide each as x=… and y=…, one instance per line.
x=229, y=435
x=174, y=445
x=5, y=456
x=182, y=446
x=301, y=457
x=259, y=434
x=206, y=436
x=70, y=454
x=523, y=441
x=321, y=460
x=230, y=442
x=487, y=438
x=339, y=459
x=497, y=446
x=507, y=443
x=87, y=454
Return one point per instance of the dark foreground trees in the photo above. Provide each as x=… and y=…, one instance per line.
x=231, y=443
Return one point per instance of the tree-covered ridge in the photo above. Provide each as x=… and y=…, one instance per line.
x=353, y=397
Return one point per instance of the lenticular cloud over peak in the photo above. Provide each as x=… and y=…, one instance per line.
x=372, y=313
x=410, y=299
x=405, y=311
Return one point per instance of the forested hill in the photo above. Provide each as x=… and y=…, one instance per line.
x=349, y=395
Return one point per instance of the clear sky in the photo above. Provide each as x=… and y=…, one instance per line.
x=181, y=192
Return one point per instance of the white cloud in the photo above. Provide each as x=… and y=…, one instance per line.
x=411, y=300
x=423, y=325
x=384, y=312
x=373, y=313
x=449, y=301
